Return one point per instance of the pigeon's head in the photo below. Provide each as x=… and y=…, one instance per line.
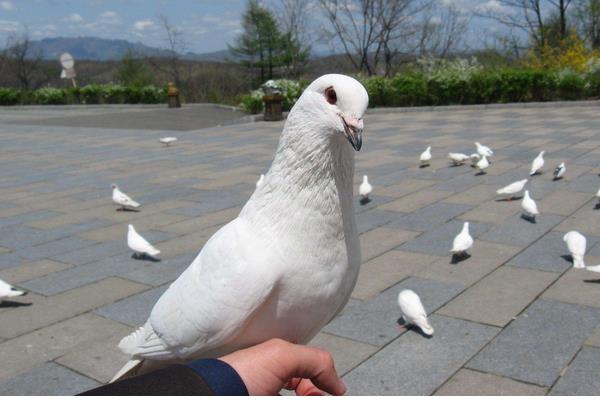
x=114, y=186
x=130, y=228
x=339, y=102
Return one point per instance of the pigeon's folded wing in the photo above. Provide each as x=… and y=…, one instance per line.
x=209, y=304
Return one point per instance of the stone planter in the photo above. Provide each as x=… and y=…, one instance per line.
x=273, y=107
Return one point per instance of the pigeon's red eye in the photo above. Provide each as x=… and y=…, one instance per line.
x=330, y=95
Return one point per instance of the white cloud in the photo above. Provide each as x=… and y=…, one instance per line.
x=9, y=26
x=7, y=6
x=44, y=31
x=492, y=6
x=109, y=17
x=75, y=18
x=143, y=25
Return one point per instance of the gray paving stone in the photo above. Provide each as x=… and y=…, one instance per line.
x=376, y=320
x=48, y=379
x=439, y=241
x=517, y=232
x=134, y=310
x=467, y=382
x=51, y=249
x=156, y=274
x=430, y=217
x=539, y=343
x=581, y=379
x=94, y=253
x=373, y=219
x=416, y=366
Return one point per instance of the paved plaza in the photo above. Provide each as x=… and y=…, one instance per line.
x=513, y=319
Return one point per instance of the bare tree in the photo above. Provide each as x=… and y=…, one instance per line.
x=293, y=17
x=22, y=61
x=442, y=33
x=587, y=16
x=176, y=45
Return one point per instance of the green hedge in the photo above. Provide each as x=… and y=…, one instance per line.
x=481, y=87
x=89, y=94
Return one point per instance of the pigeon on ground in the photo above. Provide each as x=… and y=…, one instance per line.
x=594, y=268
x=512, y=189
x=559, y=171
x=122, y=199
x=483, y=150
x=413, y=311
x=576, y=243
x=529, y=206
x=482, y=164
x=168, y=140
x=7, y=291
x=462, y=242
x=365, y=188
x=475, y=157
x=598, y=196
x=138, y=244
x=458, y=158
x=537, y=164
x=425, y=156
x=287, y=265
x=260, y=181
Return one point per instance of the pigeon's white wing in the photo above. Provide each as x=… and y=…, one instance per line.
x=138, y=243
x=208, y=305
x=7, y=290
x=123, y=199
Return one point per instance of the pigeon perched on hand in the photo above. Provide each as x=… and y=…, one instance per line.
x=288, y=263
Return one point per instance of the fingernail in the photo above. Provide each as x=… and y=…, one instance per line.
x=341, y=387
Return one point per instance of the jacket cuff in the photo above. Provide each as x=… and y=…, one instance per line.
x=220, y=377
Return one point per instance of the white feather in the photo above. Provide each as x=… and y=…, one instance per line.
x=458, y=158
x=537, y=164
x=167, y=140
x=560, y=170
x=413, y=311
x=463, y=241
x=365, y=188
x=122, y=199
x=260, y=181
x=425, y=156
x=576, y=243
x=512, y=188
x=138, y=244
x=529, y=205
x=7, y=291
x=483, y=163
x=483, y=150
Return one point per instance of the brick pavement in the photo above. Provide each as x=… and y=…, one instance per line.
x=512, y=319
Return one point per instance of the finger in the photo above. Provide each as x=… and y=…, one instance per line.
x=292, y=384
x=316, y=365
x=307, y=388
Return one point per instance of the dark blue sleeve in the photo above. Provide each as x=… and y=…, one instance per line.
x=220, y=376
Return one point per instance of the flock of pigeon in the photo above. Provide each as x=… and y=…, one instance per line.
x=410, y=304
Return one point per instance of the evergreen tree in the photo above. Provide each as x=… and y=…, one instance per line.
x=132, y=71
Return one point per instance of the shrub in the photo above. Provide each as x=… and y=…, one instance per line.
x=9, y=97
x=252, y=103
x=47, y=96
x=570, y=85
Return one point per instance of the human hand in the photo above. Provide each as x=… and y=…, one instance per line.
x=276, y=364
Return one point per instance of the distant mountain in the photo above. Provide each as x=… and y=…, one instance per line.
x=94, y=48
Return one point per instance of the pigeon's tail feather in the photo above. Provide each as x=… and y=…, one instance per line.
x=134, y=204
x=15, y=293
x=154, y=251
x=594, y=268
x=129, y=369
x=578, y=262
x=423, y=323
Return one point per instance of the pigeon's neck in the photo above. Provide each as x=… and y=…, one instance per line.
x=309, y=182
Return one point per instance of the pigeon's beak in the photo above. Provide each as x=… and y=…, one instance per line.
x=353, y=128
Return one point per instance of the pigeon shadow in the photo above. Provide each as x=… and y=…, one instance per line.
x=127, y=210
x=411, y=327
x=535, y=173
x=423, y=165
x=363, y=201
x=511, y=199
x=13, y=304
x=597, y=206
x=457, y=258
x=481, y=173
x=556, y=179
x=455, y=165
x=145, y=257
x=567, y=258
x=591, y=280
x=529, y=219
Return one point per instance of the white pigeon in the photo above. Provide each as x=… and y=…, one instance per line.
x=576, y=243
x=598, y=196
x=483, y=150
x=413, y=311
x=458, y=158
x=365, y=188
x=529, y=206
x=482, y=164
x=594, y=268
x=463, y=241
x=475, y=157
x=7, y=291
x=559, y=171
x=168, y=140
x=287, y=265
x=138, y=244
x=260, y=181
x=122, y=199
x=537, y=164
x=512, y=189
x=425, y=156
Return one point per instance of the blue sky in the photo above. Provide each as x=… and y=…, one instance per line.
x=208, y=25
